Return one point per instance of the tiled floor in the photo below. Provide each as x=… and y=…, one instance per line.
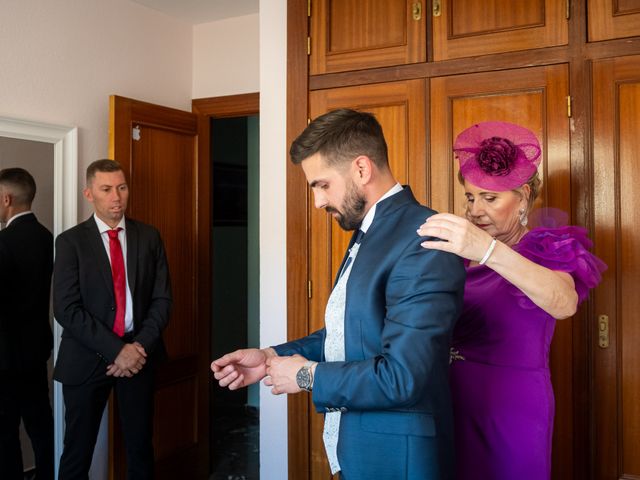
x=235, y=445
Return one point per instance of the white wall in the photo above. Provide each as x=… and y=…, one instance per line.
x=273, y=224
x=243, y=55
x=226, y=57
x=62, y=59
x=37, y=159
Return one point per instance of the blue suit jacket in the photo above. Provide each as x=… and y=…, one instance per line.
x=402, y=302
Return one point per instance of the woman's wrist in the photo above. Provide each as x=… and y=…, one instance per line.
x=489, y=251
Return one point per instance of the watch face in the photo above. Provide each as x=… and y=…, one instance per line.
x=303, y=378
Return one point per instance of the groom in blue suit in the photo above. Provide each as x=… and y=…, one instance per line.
x=379, y=368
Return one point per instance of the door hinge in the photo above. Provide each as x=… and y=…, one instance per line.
x=437, y=10
x=309, y=289
x=308, y=45
x=603, y=331
x=308, y=120
x=569, y=106
x=567, y=13
x=416, y=11
x=309, y=8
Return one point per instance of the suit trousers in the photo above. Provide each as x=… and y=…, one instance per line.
x=85, y=405
x=25, y=395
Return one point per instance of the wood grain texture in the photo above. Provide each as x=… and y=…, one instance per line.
x=534, y=98
x=577, y=52
x=161, y=167
x=610, y=19
x=227, y=106
x=616, y=110
x=471, y=18
x=395, y=105
x=298, y=413
x=355, y=34
x=577, y=450
x=466, y=28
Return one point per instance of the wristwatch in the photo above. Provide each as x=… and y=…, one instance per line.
x=304, y=377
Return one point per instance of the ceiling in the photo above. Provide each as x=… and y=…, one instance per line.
x=202, y=11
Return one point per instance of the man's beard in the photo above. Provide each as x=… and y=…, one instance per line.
x=351, y=213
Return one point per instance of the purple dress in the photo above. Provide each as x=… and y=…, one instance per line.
x=501, y=387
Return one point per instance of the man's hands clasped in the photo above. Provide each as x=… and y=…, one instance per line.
x=129, y=361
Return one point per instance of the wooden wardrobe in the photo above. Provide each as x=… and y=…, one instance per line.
x=569, y=70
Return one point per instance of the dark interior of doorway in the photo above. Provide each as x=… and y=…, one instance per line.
x=234, y=415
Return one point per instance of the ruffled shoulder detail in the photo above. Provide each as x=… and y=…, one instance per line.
x=564, y=249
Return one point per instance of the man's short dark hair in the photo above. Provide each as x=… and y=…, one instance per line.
x=21, y=184
x=105, y=165
x=340, y=136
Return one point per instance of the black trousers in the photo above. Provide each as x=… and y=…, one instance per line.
x=84, y=405
x=25, y=395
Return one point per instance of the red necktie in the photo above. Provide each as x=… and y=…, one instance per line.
x=119, y=280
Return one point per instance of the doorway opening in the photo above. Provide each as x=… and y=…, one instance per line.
x=65, y=159
x=234, y=415
x=37, y=158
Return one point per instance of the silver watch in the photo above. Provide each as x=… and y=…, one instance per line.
x=304, y=377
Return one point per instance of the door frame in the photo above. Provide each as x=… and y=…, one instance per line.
x=65, y=215
x=205, y=109
x=298, y=418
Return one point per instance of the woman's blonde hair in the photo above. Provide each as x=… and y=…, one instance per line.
x=534, y=182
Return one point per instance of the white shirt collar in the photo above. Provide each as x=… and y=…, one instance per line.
x=368, y=218
x=103, y=227
x=16, y=216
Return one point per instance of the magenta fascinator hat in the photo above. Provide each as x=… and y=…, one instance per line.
x=498, y=156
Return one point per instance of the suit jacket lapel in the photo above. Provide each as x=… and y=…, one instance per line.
x=383, y=208
x=97, y=245
x=132, y=254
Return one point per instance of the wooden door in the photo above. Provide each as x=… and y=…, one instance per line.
x=157, y=148
x=608, y=19
x=537, y=99
x=355, y=34
x=400, y=109
x=616, y=323
x=467, y=28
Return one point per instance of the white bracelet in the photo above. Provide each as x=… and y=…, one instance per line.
x=489, y=252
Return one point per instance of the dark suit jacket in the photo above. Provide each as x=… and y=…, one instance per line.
x=26, y=262
x=84, y=302
x=402, y=302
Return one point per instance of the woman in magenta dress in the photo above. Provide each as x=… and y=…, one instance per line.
x=519, y=281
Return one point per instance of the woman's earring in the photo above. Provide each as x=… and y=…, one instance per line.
x=523, y=217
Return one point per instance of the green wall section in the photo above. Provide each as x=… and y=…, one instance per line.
x=253, y=244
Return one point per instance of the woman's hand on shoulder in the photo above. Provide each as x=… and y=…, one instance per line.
x=459, y=236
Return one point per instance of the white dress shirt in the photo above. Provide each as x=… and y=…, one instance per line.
x=16, y=216
x=334, y=347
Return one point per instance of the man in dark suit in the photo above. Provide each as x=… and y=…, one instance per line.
x=112, y=295
x=26, y=262
x=379, y=368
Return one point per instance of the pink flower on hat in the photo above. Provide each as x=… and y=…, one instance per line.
x=497, y=156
